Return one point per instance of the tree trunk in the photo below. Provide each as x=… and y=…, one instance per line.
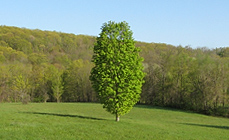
x=117, y=117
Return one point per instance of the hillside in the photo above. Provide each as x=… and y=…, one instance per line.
x=35, y=64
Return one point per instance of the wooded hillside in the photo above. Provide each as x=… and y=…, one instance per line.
x=40, y=66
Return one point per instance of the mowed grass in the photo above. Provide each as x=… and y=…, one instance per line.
x=52, y=121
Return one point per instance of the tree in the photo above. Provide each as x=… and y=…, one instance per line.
x=117, y=76
x=56, y=79
x=77, y=86
x=39, y=79
x=22, y=86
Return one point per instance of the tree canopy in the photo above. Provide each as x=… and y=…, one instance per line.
x=118, y=73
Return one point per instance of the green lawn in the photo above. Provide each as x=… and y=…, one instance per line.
x=90, y=121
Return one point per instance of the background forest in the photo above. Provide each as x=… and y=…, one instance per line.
x=41, y=66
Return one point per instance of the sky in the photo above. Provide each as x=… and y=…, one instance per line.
x=194, y=23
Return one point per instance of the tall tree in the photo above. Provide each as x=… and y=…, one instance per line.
x=57, y=82
x=118, y=73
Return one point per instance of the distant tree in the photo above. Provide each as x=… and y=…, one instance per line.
x=118, y=73
x=16, y=82
x=77, y=86
x=35, y=58
x=4, y=79
x=2, y=57
x=39, y=79
x=181, y=82
x=22, y=86
x=57, y=86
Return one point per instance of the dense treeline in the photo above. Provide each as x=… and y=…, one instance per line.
x=40, y=66
x=186, y=78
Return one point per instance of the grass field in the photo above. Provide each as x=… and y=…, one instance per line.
x=52, y=121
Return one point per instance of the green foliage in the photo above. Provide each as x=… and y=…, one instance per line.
x=9, y=54
x=22, y=86
x=77, y=86
x=117, y=76
x=186, y=78
x=40, y=85
x=55, y=76
x=223, y=52
x=15, y=84
x=37, y=59
x=35, y=51
x=179, y=77
x=2, y=57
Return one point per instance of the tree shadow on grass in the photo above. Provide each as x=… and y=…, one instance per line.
x=211, y=126
x=161, y=108
x=165, y=108
x=64, y=115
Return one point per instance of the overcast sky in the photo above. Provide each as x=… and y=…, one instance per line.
x=197, y=23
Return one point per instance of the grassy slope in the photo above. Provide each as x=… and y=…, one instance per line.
x=91, y=121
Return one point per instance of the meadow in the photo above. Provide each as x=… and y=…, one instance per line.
x=54, y=121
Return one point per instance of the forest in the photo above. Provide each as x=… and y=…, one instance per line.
x=50, y=66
